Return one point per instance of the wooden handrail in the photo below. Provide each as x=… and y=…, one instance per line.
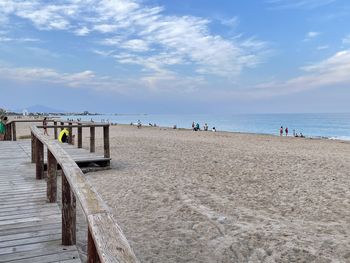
x=106, y=241
x=11, y=131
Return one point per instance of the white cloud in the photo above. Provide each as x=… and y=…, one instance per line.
x=84, y=79
x=82, y=31
x=137, y=45
x=10, y=39
x=346, y=40
x=298, y=4
x=322, y=47
x=333, y=71
x=231, y=22
x=105, y=28
x=312, y=34
x=134, y=28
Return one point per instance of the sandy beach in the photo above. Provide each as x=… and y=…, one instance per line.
x=184, y=196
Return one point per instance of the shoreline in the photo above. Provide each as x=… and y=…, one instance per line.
x=241, y=132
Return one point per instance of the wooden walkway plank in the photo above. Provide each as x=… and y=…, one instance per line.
x=30, y=227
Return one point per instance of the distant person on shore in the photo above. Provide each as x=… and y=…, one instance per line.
x=293, y=133
x=2, y=128
x=139, y=124
x=196, y=128
x=45, y=126
x=63, y=136
x=214, y=129
x=286, y=131
x=301, y=135
x=281, y=131
x=174, y=127
x=193, y=125
x=205, y=127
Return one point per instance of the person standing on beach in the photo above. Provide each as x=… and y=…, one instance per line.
x=281, y=131
x=139, y=124
x=205, y=127
x=45, y=128
x=193, y=125
x=286, y=130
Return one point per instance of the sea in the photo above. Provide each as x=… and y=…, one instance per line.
x=316, y=125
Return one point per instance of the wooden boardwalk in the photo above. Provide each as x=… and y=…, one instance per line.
x=30, y=227
x=81, y=156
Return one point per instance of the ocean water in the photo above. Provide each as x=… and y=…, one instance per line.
x=327, y=125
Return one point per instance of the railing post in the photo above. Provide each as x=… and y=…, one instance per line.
x=14, y=133
x=9, y=132
x=33, y=148
x=106, y=141
x=62, y=123
x=55, y=130
x=68, y=214
x=80, y=136
x=51, y=178
x=92, y=252
x=92, y=139
x=70, y=137
x=39, y=159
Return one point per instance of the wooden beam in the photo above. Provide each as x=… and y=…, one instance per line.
x=80, y=136
x=14, y=133
x=91, y=251
x=106, y=142
x=92, y=139
x=103, y=228
x=8, y=133
x=39, y=154
x=68, y=214
x=33, y=147
x=51, y=178
x=55, y=130
x=74, y=125
x=70, y=130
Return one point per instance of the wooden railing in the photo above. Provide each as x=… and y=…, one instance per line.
x=11, y=133
x=106, y=241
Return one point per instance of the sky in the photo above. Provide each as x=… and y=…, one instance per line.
x=189, y=56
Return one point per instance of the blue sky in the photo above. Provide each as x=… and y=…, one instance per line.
x=193, y=56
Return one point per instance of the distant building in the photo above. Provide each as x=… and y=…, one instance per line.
x=25, y=113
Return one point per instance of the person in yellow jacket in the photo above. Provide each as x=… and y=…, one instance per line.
x=63, y=136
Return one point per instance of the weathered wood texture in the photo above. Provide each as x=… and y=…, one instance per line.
x=14, y=132
x=51, y=178
x=91, y=251
x=103, y=228
x=92, y=139
x=33, y=150
x=80, y=136
x=30, y=228
x=68, y=214
x=108, y=238
x=55, y=130
x=39, y=159
x=106, y=142
x=70, y=130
